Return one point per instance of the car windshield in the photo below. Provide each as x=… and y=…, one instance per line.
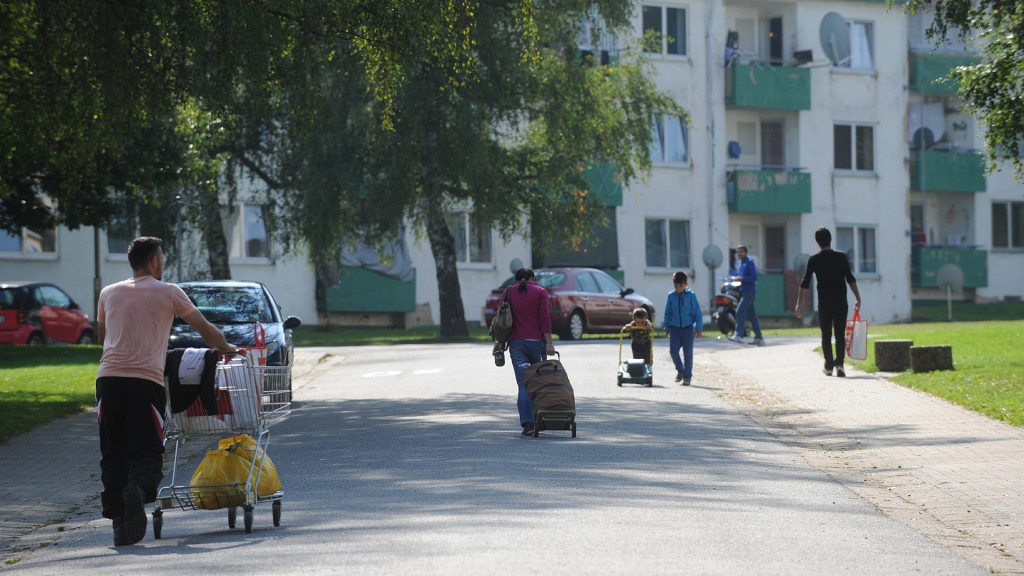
x=229, y=305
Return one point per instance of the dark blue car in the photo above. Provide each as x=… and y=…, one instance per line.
x=236, y=307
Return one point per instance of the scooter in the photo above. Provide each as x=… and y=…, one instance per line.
x=726, y=302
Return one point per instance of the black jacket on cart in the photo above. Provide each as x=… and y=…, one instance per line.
x=183, y=395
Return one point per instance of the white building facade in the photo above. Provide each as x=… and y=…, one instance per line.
x=803, y=114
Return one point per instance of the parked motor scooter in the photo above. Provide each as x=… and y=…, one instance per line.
x=726, y=302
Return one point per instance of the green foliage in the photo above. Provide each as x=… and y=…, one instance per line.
x=510, y=147
x=82, y=84
x=993, y=89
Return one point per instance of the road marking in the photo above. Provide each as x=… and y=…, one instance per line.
x=386, y=373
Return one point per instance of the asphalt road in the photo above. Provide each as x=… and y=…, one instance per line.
x=408, y=460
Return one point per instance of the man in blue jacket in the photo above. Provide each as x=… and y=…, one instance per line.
x=746, y=271
x=683, y=321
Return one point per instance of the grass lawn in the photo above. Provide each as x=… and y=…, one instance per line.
x=38, y=384
x=41, y=383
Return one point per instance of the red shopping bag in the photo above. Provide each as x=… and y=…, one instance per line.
x=856, y=337
x=256, y=355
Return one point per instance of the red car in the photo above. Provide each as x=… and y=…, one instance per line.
x=41, y=313
x=581, y=300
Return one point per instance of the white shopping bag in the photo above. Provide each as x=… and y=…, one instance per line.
x=856, y=337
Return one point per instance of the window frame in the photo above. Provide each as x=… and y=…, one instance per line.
x=48, y=238
x=240, y=238
x=857, y=152
x=860, y=255
x=663, y=22
x=869, y=26
x=658, y=147
x=667, y=250
x=469, y=229
x=1013, y=226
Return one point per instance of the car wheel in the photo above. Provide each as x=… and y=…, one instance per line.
x=36, y=339
x=575, y=331
x=87, y=337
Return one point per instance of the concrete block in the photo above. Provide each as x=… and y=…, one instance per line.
x=892, y=355
x=929, y=358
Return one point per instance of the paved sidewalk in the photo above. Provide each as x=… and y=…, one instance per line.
x=951, y=474
x=50, y=477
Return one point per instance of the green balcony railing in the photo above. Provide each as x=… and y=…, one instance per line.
x=947, y=171
x=364, y=290
x=768, y=87
x=771, y=191
x=929, y=72
x=928, y=260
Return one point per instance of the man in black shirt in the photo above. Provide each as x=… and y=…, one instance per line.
x=833, y=271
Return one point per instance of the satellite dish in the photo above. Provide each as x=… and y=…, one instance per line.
x=515, y=265
x=800, y=264
x=923, y=139
x=835, y=38
x=712, y=256
x=951, y=279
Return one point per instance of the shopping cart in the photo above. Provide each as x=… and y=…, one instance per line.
x=250, y=398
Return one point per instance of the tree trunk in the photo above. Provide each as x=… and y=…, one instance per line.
x=449, y=292
x=215, y=239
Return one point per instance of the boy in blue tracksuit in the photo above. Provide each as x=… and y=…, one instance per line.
x=683, y=321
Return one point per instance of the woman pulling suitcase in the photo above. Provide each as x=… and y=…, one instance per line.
x=530, y=340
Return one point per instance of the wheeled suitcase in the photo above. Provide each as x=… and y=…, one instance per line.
x=554, y=404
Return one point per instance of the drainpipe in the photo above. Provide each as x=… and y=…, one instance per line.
x=710, y=69
x=97, y=279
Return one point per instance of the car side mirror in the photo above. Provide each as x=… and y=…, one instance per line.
x=627, y=292
x=292, y=322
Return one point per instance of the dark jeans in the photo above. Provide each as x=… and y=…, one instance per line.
x=131, y=421
x=832, y=319
x=522, y=353
x=641, y=350
x=746, y=311
x=682, y=338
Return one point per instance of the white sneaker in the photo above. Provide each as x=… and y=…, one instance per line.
x=737, y=339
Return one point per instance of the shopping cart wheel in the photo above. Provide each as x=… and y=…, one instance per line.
x=276, y=507
x=248, y=518
x=232, y=516
x=158, y=523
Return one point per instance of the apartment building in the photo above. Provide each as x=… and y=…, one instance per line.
x=803, y=114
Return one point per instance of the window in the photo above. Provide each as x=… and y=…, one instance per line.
x=29, y=241
x=250, y=238
x=670, y=26
x=861, y=47
x=667, y=243
x=669, y=140
x=472, y=239
x=858, y=243
x=1008, y=225
x=121, y=230
x=854, y=147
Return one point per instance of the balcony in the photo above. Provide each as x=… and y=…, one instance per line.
x=947, y=171
x=928, y=72
x=769, y=191
x=366, y=291
x=927, y=261
x=767, y=87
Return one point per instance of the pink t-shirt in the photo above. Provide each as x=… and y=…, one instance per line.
x=137, y=314
x=531, y=320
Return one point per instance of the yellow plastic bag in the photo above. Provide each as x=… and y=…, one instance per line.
x=246, y=447
x=219, y=481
